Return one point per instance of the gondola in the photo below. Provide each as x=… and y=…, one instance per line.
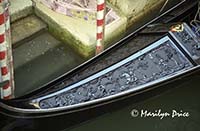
x=175, y=55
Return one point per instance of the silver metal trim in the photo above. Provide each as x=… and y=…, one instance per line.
x=115, y=66
x=35, y=111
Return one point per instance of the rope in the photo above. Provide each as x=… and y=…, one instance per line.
x=195, y=23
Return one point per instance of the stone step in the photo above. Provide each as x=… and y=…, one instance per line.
x=26, y=27
x=20, y=9
x=77, y=32
x=39, y=60
x=32, y=48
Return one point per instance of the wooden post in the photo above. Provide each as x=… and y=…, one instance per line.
x=101, y=7
x=6, y=64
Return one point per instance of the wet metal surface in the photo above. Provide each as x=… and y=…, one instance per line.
x=154, y=62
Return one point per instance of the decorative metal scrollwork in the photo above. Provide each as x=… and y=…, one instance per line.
x=161, y=61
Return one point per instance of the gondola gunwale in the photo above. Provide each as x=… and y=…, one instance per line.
x=114, y=67
x=37, y=113
x=108, y=99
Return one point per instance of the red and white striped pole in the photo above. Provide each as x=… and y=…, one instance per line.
x=101, y=7
x=6, y=65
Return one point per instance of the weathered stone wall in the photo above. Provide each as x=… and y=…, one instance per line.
x=138, y=9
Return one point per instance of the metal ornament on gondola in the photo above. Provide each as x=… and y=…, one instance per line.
x=177, y=28
x=6, y=60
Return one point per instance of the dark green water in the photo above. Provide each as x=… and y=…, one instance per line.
x=184, y=97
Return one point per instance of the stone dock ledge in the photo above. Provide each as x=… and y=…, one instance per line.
x=79, y=34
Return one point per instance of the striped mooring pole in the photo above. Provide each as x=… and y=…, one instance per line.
x=6, y=58
x=101, y=7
